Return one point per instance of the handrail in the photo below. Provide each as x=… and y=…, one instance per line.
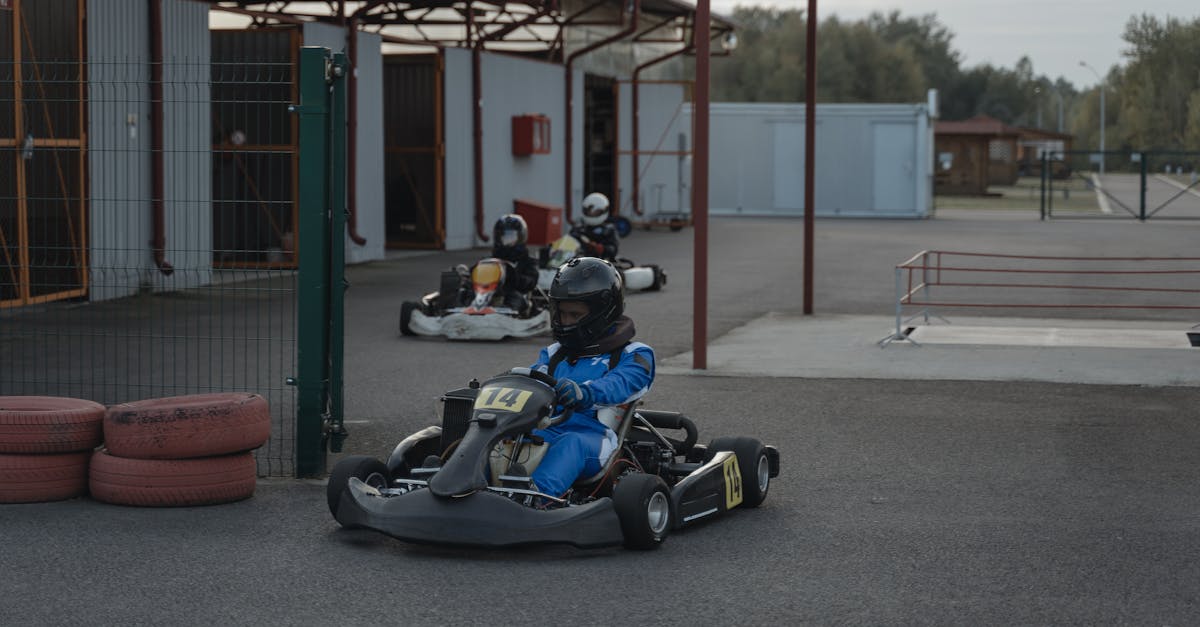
x=982, y=280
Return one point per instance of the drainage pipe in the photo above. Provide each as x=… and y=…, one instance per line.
x=628, y=30
x=352, y=135
x=476, y=121
x=157, y=210
x=637, y=175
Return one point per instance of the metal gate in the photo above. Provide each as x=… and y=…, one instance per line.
x=1124, y=184
x=43, y=229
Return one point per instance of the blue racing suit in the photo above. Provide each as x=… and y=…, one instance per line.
x=581, y=445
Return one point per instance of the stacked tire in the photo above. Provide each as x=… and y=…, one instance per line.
x=46, y=444
x=180, y=451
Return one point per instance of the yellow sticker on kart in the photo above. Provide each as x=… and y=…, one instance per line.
x=733, y=482
x=502, y=399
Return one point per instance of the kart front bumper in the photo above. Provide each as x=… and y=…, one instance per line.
x=461, y=326
x=483, y=519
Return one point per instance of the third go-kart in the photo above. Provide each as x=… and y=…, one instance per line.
x=470, y=306
x=647, y=278
x=461, y=482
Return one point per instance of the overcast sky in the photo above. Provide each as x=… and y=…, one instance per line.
x=1055, y=34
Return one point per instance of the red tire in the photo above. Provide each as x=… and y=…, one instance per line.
x=181, y=427
x=49, y=424
x=43, y=478
x=172, y=482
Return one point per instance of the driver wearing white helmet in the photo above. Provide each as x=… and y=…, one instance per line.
x=594, y=231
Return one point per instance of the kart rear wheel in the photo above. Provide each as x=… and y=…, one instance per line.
x=753, y=465
x=369, y=470
x=660, y=279
x=643, y=505
x=406, y=311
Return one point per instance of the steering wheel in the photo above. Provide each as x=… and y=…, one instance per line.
x=538, y=375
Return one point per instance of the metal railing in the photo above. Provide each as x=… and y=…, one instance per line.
x=936, y=279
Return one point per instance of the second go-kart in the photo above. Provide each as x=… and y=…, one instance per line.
x=636, y=278
x=471, y=306
x=460, y=482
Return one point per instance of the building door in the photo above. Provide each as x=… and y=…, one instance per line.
x=788, y=166
x=413, y=150
x=895, y=177
x=600, y=136
x=43, y=228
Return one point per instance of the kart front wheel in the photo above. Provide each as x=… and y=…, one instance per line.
x=753, y=465
x=369, y=470
x=643, y=505
x=406, y=311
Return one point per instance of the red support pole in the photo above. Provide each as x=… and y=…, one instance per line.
x=700, y=190
x=810, y=140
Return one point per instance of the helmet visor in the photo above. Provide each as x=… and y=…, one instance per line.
x=509, y=237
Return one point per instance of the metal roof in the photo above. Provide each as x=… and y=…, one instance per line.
x=526, y=25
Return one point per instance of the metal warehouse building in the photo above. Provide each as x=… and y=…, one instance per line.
x=148, y=144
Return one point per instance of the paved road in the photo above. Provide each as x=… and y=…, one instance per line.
x=924, y=499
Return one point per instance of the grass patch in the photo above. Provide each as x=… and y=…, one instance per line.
x=1072, y=194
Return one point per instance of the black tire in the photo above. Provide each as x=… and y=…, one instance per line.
x=752, y=465
x=643, y=505
x=369, y=470
x=660, y=279
x=406, y=311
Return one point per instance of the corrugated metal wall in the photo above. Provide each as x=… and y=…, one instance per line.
x=661, y=121
x=118, y=145
x=511, y=86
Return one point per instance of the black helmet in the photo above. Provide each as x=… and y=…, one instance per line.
x=510, y=230
x=595, y=283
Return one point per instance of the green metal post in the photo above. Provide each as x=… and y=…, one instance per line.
x=336, y=429
x=1050, y=196
x=1142, y=195
x=312, y=244
x=1045, y=166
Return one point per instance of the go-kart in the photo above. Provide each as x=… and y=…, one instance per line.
x=636, y=278
x=470, y=306
x=460, y=482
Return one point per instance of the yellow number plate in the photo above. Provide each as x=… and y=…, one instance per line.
x=733, y=483
x=502, y=399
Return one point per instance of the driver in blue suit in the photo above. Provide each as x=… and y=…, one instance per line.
x=596, y=363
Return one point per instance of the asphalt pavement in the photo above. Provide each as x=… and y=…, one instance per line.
x=1000, y=470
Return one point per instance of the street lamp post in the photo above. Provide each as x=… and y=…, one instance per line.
x=1102, y=90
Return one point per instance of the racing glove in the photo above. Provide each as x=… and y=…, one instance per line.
x=572, y=394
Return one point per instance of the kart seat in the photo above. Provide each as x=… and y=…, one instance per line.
x=618, y=418
x=615, y=417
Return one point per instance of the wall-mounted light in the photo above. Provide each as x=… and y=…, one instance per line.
x=729, y=41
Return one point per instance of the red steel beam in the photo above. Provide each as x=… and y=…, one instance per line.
x=700, y=191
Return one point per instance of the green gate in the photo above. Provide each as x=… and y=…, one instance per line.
x=1121, y=184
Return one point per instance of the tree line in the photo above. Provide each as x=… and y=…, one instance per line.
x=1152, y=99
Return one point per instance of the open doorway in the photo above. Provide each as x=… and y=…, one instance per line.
x=412, y=104
x=600, y=133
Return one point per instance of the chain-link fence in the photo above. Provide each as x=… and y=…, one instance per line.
x=148, y=214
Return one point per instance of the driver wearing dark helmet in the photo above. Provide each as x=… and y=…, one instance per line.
x=509, y=236
x=596, y=362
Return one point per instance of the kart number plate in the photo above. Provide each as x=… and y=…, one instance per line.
x=502, y=399
x=733, y=483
